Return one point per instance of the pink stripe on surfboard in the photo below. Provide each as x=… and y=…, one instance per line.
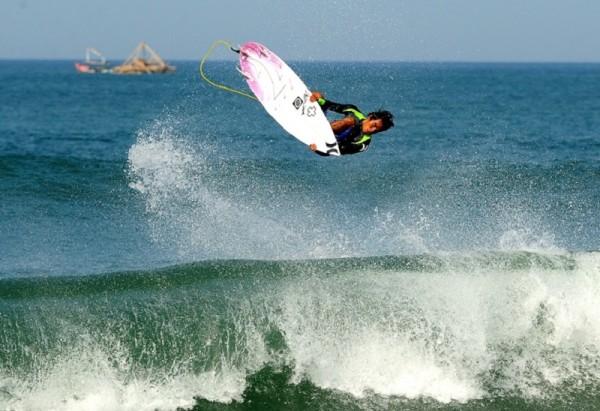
x=255, y=51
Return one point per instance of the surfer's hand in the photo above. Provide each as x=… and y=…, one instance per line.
x=313, y=147
x=315, y=96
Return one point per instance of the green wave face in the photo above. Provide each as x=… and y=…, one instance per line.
x=428, y=329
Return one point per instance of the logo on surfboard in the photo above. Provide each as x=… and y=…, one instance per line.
x=298, y=102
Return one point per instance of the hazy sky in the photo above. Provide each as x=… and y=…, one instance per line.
x=412, y=30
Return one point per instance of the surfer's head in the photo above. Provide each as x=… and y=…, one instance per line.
x=378, y=121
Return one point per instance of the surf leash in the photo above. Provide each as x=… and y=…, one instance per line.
x=219, y=85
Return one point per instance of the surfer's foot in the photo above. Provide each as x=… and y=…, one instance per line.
x=313, y=147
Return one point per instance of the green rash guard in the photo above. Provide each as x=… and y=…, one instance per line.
x=352, y=139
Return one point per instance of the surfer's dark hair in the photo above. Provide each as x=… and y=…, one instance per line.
x=387, y=118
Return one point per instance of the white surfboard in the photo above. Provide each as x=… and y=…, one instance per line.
x=285, y=97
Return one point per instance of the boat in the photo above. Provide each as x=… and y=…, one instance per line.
x=95, y=62
x=143, y=60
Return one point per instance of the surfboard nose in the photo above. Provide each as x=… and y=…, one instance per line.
x=251, y=47
x=258, y=50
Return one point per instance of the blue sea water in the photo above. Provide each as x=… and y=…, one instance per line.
x=165, y=244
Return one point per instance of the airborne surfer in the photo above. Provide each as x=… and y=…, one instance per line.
x=353, y=132
x=287, y=99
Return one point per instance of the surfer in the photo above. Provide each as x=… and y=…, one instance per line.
x=353, y=132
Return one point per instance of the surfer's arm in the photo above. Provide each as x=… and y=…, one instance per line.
x=331, y=105
x=335, y=107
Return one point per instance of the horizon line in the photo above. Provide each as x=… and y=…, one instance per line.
x=375, y=61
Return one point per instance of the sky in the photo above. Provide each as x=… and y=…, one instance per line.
x=313, y=30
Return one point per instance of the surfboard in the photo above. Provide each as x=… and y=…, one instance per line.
x=285, y=97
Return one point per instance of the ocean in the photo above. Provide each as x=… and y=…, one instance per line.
x=166, y=245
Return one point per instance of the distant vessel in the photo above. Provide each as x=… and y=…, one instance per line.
x=143, y=60
x=95, y=62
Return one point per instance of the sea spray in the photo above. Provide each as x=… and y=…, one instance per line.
x=201, y=205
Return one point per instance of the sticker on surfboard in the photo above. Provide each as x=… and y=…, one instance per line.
x=285, y=97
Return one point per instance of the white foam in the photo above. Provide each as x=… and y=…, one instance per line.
x=100, y=393
x=386, y=365
x=88, y=381
x=439, y=335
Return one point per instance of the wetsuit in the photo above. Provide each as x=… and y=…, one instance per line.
x=352, y=139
